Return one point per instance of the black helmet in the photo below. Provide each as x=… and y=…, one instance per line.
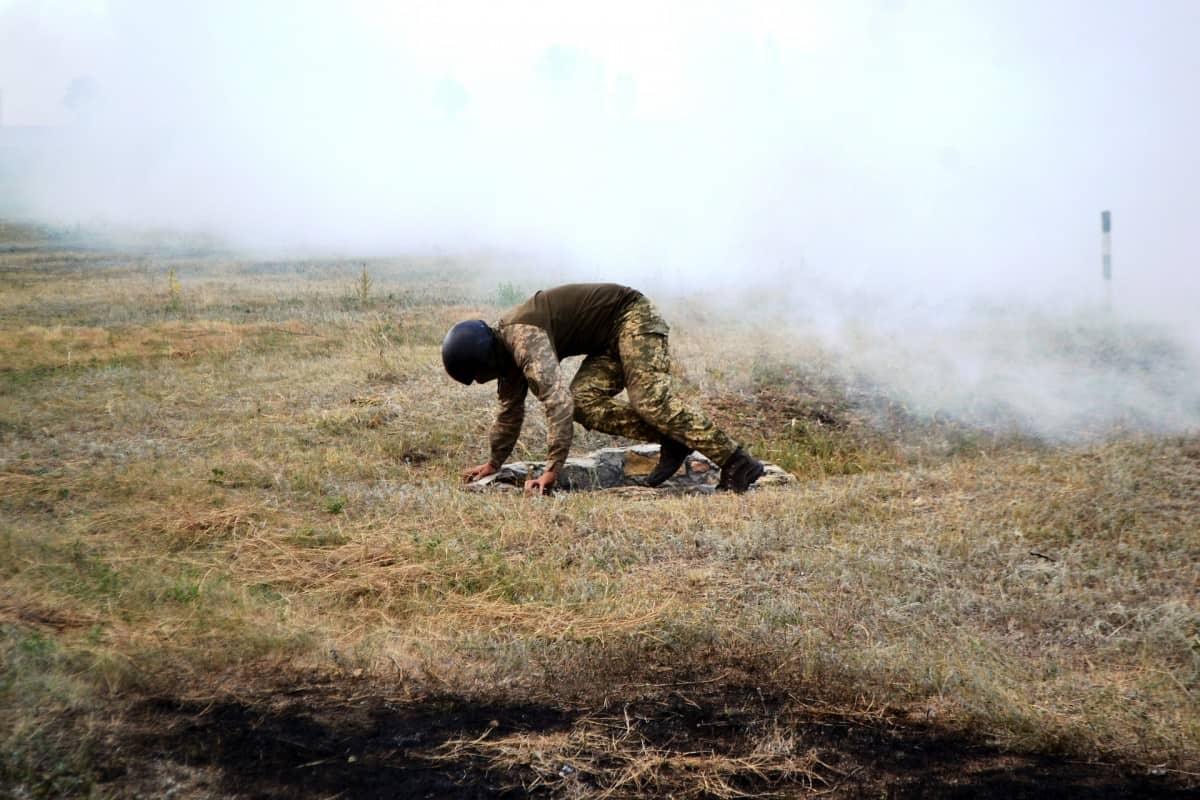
x=467, y=350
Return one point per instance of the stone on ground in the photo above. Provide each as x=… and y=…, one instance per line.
x=622, y=469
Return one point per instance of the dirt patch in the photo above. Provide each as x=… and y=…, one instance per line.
x=327, y=740
x=303, y=745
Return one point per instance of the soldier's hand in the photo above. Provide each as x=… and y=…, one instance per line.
x=475, y=473
x=541, y=485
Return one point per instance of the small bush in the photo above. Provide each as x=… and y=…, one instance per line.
x=362, y=288
x=509, y=294
x=174, y=293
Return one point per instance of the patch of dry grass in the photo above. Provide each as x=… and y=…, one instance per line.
x=285, y=495
x=609, y=757
x=37, y=348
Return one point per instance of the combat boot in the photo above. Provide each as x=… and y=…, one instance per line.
x=741, y=470
x=670, y=459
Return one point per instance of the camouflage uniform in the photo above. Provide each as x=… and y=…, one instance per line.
x=636, y=359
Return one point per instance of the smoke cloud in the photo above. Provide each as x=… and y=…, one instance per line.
x=885, y=164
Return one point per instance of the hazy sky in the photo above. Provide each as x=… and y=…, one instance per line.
x=938, y=148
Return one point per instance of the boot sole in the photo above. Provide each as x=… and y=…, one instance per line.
x=757, y=471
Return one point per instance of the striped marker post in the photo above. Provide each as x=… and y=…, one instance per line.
x=1106, y=254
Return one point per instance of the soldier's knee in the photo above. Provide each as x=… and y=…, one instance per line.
x=651, y=405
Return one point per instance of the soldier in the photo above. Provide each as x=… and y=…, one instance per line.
x=624, y=340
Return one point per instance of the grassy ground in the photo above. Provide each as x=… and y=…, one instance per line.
x=230, y=525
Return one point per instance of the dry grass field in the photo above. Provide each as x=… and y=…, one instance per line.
x=235, y=562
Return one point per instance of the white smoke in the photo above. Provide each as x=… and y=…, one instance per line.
x=922, y=157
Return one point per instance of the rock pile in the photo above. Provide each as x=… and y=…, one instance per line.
x=622, y=469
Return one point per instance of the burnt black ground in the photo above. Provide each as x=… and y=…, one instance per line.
x=318, y=743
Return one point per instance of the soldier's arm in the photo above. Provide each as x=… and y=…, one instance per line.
x=510, y=391
x=534, y=354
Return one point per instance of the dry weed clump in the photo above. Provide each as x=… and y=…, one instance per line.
x=610, y=757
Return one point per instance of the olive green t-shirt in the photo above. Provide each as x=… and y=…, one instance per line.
x=581, y=318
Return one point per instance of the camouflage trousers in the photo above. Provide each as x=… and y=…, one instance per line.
x=641, y=364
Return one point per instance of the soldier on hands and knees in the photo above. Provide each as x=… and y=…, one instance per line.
x=625, y=343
